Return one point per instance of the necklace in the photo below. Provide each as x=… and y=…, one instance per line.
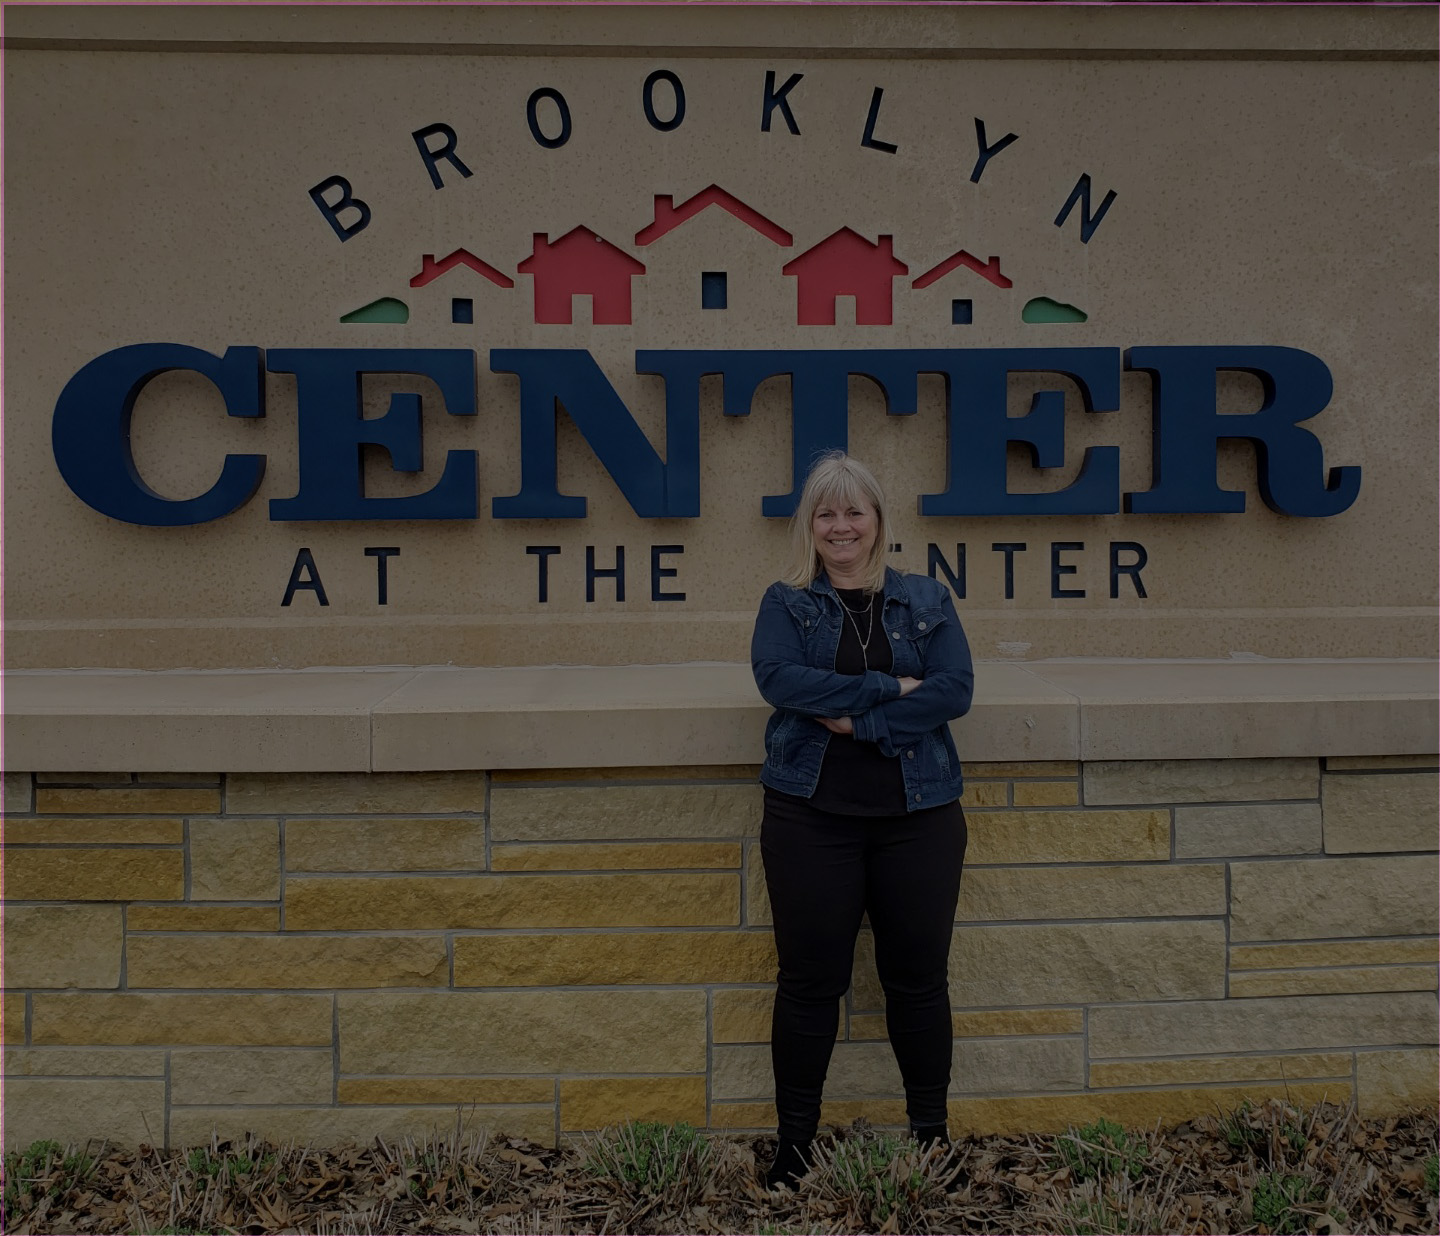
x=869, y=626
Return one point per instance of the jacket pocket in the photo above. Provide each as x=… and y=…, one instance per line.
x=778, y=739
x=925, y=622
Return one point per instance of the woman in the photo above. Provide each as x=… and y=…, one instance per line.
x=865, y=667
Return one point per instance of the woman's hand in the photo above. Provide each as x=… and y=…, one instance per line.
x=837, y=725
x=907, y=685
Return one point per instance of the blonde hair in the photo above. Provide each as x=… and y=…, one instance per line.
x=838, y=479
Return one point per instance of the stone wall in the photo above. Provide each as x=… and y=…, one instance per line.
x=339, y=955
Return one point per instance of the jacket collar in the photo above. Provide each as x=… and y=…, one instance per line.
x=894, y=589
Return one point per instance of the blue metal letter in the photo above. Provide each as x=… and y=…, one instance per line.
x=90, y=432
x=819, y=394
x=1289, y=460
x=570, y=377
x=980, y=430
x=333, y=432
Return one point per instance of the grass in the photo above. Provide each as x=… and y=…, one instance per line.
x=1262, y=1168
x=1102, y=1149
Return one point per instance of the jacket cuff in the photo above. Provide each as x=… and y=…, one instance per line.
x=866, y=725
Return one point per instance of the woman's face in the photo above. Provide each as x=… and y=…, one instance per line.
x=844, y=535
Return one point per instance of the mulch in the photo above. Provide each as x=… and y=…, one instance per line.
x=1270, y=1168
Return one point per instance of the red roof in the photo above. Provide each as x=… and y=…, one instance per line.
x=583, y=244
x=849, y=246
x=430, y=269
x=668, y=216
x=986, y=270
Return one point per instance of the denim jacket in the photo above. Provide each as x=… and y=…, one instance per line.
x=797, y=634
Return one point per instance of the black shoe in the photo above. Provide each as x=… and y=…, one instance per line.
x=792, y=1160
x=930, y=1135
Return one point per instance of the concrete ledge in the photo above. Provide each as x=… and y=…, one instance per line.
x=416, y=720
x=1058, y=31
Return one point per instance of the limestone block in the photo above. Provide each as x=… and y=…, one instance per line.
x=12, y=1004
x=82, y=874
x=128, y=800
x=1331, y=979
x=991, y=1022
x=62, y=946
x=741, y=1015
x=594, y=1102
x=1122, y=891
x=1121, y=782
x=323, y=1127
x=1364, y=763
x=101, y=830
x=19, y=794
x=882, y=1113
x=286, y=961
x=81, y=1110
x=355, y=793
x=133, y=1018
x=1057, y=1113
x=1046, y=793
x=385, y=845
x=1018, y=1065
x=1068, y=836
x=757, y=890
x=202, y=918
x=255, y=1075
x=1383, y=812
x=1023, y=768
x=533, y=960
x=1282, y=1023
x=82, y=1062
x=646, y=772
x=401, y=903
x=1344, y=953
x=868, y=1069
x=414, y=1090
x=1324, y=898
x=744, y=1072
x=582, y=856
x=522, y=1032
x=538, y=813
x=985, y=1023
x=1253, y=828
x=1391, y=1083
x=1303, y=1066
x=985, y=794
x=234, y=860
x=1071, y=964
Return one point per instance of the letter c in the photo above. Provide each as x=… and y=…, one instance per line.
x=90, y=432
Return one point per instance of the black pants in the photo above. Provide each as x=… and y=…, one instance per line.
x=824, y=871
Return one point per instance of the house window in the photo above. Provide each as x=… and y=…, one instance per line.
x=960, y=312
x=713, y=290
x=462, y=309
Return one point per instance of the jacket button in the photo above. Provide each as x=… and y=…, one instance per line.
x=922, y=626
x=917, y=798
x=894, y=634
x=910, y=754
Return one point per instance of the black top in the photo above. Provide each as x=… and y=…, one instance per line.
x=855, y=778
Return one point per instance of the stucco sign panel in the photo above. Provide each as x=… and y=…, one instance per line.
x=405, y=358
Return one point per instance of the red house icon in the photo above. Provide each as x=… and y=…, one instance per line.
x=845, y=264
x=580, y=263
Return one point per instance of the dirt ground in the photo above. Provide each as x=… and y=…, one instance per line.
x=1272, y=1168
